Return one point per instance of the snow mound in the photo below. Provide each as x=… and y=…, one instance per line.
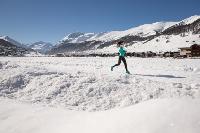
x=166, y=116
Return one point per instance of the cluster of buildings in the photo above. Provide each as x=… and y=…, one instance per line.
x=184, y=52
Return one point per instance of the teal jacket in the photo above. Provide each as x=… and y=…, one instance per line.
x=122, y=52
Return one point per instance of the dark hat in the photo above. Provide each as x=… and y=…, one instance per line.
x=120, y=42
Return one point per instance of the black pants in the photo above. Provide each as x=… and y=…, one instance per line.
x=121, y=58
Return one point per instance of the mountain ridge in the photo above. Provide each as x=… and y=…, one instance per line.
x=141, y=35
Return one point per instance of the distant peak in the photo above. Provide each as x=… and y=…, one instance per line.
x=4, y=37
x=75, y=34
x=190, y=19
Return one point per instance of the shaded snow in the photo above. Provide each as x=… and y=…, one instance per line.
x=154, y=116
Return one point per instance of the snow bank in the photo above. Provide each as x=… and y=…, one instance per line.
x=154, y=116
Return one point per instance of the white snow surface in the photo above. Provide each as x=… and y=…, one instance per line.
x=154, y=116
x=88, y=84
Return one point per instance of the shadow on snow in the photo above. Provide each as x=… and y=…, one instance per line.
x=162, y=76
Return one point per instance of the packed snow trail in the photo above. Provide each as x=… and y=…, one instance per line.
x=88, y=84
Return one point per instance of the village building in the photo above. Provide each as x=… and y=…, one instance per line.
x=192, y=51
x=185, y=51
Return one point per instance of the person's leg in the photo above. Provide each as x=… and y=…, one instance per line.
x=125, y=64
x=119, y=62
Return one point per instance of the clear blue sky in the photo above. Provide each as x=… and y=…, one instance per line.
x=50, y=20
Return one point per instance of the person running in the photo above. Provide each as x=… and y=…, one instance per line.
x=122, y=53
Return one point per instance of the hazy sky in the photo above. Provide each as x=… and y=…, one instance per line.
x=50, y=20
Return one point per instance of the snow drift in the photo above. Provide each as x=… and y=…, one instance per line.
x=154, y=116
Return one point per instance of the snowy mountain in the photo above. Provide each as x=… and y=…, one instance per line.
x=157, y=37
x=190, y=20
x=41, y=46
x=9, y=49
x=141, y=31
x=7, y=38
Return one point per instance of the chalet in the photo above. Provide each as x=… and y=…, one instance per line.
x=192, y=51
x=195, y=50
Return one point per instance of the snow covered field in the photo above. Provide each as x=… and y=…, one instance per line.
x=156, y=85
x=88, y=83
